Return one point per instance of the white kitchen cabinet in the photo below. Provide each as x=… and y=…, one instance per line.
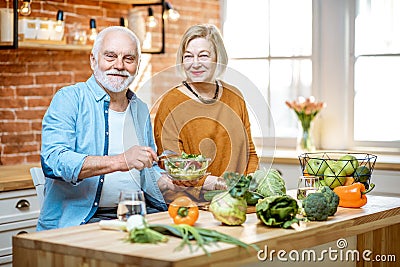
x=19, y=210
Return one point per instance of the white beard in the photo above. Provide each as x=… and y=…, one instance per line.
x=113, y=84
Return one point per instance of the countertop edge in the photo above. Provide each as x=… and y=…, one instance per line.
x=340, y=226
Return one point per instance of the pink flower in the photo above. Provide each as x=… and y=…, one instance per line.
x=306, y=109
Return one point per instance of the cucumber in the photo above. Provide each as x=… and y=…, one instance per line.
x=208, y=195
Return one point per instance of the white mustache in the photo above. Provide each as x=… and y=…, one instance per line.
x=116, y=72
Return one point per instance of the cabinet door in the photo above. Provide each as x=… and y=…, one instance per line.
x=8, y=230
x=6, y=261
x=18, y=205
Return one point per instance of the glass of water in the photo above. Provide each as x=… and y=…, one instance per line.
x=307, y=185
x=130, y=203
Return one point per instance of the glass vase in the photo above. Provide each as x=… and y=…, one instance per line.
x=305, y=139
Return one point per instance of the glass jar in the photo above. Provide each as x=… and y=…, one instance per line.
x=27, y=28
x=43, y=30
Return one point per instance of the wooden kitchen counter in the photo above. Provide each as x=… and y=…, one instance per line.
x=376, y=226
x=15, y=177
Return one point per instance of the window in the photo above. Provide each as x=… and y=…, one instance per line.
x=376, y=73
x=273, y=48
x=346, y=53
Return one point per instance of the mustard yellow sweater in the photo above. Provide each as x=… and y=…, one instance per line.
x=220, y=131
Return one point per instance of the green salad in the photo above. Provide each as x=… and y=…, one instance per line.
x=187, y=166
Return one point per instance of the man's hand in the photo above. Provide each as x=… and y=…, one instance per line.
x=140, y=157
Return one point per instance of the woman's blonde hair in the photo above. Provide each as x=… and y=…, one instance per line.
x=211, y=33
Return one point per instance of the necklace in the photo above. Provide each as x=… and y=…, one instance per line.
x=202, y=99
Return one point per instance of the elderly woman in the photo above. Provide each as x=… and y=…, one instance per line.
x=205, y=115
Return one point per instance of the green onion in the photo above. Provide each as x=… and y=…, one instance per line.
x=146, y=235
x=202, y=236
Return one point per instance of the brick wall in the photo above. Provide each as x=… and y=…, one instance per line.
x=30, y=77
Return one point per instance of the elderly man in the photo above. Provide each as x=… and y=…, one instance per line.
x=97, y=139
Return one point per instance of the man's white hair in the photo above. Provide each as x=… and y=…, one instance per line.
x=100, y=37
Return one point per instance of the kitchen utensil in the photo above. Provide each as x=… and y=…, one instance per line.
x=167, y=153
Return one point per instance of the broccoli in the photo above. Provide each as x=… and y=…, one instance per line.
x=331, y=197
x=316, y=207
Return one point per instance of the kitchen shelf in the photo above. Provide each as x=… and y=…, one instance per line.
x=135, y=2
x=68, y=47
x=48, y=45
x=51, y=46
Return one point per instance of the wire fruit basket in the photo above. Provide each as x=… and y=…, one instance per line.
x=339, y=168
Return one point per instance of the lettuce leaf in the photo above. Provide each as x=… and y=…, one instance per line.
x=270, y=183
x=277, y=211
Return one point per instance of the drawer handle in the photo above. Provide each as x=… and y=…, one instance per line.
x=23, y=204
x=22, y=232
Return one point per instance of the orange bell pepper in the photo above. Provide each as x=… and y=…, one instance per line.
x=352, y=196
x=183, y=210
x=349, y=181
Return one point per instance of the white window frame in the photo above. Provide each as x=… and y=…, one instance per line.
x=333, y=79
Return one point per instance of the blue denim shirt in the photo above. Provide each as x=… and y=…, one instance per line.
x=75, y=126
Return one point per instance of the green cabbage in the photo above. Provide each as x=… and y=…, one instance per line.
x=269, y=183
x=277, y=211
x=228, y=209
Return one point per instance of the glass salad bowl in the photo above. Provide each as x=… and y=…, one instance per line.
x=187, y=167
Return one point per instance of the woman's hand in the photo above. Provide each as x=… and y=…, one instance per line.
x=165, y=183
x=211, y=183
x=214, y=183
